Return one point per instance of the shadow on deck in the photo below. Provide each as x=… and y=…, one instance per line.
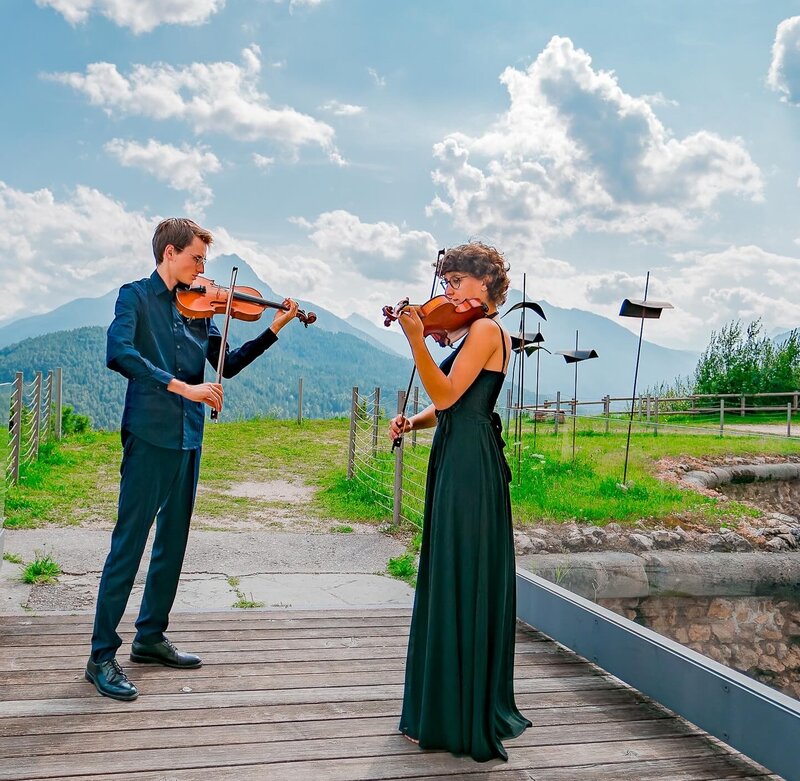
x=307, y=695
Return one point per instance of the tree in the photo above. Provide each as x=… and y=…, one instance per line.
x=748, y=362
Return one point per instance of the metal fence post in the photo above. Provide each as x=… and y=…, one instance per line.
x=16, y=423
x=722, y=417
x=742, y=406
x=607, y=409
x=789, y=419
x=416, y=410
x=795, y=398
x=351, y=450
x=509, y=399
x=397, y=506
x=58, y=411
x=376, y=414
x=37, y=414
x=655, y=416
x=47, y=407
x=300, y=401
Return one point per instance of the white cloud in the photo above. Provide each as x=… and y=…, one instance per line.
x=379, y=80
x=784, y=70
x=304, y=3
x=57, y=250
x=342, y=109
x=708, y=291
x=262, y=162
x=379, y=251
x=576, y=152
x=216, y=97
x=182, y=169
x=87, y=243
x=140, y=16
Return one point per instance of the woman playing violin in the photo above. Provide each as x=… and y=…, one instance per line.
x=460, y=663
x=162, y=354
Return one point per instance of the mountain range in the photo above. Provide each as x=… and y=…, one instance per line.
x=331, y=356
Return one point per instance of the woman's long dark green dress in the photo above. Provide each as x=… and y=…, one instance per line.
x=459, y=687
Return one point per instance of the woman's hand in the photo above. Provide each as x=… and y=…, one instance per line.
x=283, y=316
x=399, y=426
x=411, y=324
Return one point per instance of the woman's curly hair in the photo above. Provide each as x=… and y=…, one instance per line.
x=480, y=260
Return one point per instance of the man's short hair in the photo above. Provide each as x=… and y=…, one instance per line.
x=179, y=232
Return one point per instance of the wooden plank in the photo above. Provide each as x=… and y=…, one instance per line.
x=230, y=646
x=538, y=652
x=238, y=621
x=83, y=734
x=359, y=758
x=366, y=673
x=684, y=769
x=182, y=637
x=288, y=732
x=23, y=619
x=542, y=708
x=189, y=701
x=283, y=697
x=390, y=659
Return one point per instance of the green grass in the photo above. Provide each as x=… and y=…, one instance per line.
x=77, y=480
x=41, y=570
x=242, y=602
x=550, y=487
x=342, y=528
x=403, y=567
x=12, y=558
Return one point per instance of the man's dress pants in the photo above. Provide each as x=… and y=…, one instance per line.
x=156, y=483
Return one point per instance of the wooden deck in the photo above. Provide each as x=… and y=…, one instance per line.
x=300, y=696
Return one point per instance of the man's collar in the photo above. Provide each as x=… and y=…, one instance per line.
x=159, y=288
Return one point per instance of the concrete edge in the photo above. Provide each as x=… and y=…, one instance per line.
x=669, y=573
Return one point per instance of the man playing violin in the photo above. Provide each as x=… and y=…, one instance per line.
x=162, y=355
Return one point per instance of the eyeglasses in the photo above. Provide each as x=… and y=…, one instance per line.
x=199, y=260
x=453, y=282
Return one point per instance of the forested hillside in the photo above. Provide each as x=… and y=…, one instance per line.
x=329, y=363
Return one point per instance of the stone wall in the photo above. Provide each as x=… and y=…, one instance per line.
x=780, y=496
x=759, y=636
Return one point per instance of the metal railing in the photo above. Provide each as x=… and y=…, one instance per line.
x=747, y=715
x=34, y=417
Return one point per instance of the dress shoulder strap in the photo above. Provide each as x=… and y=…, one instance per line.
x=503, y=340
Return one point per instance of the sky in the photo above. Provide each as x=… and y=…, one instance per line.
x=335, y=145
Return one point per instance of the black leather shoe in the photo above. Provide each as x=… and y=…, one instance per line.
x=163, y=653
x=109, y=680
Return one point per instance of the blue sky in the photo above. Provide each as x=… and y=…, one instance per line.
x=336, y=144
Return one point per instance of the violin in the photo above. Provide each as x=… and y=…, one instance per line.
x=440, y=316
x=205, y=298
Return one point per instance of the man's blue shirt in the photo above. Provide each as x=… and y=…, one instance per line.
x=150, y=343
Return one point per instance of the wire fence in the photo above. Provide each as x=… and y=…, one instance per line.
x=396, y=477
x=34, y=418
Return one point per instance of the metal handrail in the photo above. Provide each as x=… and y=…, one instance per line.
x=747, y=715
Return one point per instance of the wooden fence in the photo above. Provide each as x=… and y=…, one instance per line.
x=650, y=408
x=35, y=417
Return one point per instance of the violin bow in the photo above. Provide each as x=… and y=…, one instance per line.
x=223, y=344
x=399, y=439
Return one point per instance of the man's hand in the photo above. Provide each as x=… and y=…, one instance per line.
x=283, y=316
x=209, y=393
